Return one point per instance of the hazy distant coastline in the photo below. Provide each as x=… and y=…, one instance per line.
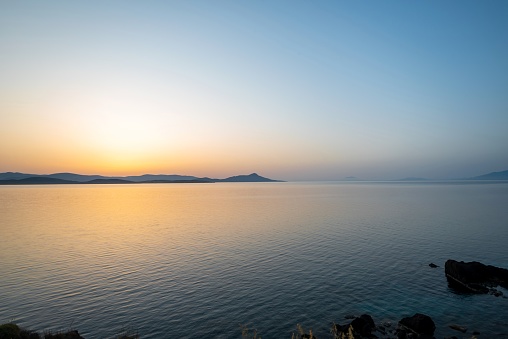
x=15, y=178
x=492, y=176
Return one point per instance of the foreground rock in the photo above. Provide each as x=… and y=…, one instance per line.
x=13, y=331
x=474, y=277
x=417, y=326
x=360, y=327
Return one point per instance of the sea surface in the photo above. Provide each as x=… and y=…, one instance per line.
x=202, y=260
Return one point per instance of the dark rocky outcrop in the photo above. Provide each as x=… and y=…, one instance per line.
x=417, y=326
x=474, y=277
x=13, y=331
x=433, y=265
x=360, y=327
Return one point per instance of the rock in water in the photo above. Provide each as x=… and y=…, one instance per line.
x=458, y=328
x=433, y=265
x=474, y=276
x=363, y=325
x=360, y=327
x=420, y=324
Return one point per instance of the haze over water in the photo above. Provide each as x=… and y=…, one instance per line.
x=197, y=260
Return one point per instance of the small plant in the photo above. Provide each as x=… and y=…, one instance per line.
x=248, y=333
x=301, y=333
x=337, y=334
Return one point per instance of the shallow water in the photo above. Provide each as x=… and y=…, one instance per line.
x=198, y=260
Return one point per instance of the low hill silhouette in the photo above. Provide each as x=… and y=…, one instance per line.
x=503, y=175
x=254, y=177
x=15, y=178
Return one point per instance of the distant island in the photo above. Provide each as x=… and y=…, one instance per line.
x=493, y=176
x=503, y=175
x=15, y=178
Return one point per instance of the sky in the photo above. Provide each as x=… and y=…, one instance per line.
x=292, y=90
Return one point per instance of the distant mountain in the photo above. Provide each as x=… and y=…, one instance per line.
x=16, y=175
x=36, y=181
x=108, y=181
x=15, y=178
x=133, y=178
x=492, y=176
x=254, y=177
x=74, y=177
x=196, y=181
x=152, y=177
x=85, y=178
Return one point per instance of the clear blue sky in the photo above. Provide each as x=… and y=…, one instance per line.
x=296, y=90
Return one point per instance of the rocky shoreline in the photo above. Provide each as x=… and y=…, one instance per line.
x=464, y=277
x=13, y=331
x=418, y=326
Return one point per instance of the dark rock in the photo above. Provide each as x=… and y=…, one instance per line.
x=433, y=265
x=360, y=327
x=401, y=335
x=363, y=325
x=476, y=333
x=381, y=329
x=9, y=331
x=338, y=330
x=474, y=277
x=458, y=328
x=67, y=335
x=420, y=324
x=495, y=292
x=27, y=334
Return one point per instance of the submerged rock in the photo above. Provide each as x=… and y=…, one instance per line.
x=474, y=277
x=433, y=265
x=458, y=328
x=495, y=292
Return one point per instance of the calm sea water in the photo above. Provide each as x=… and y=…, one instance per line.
x=198, y=260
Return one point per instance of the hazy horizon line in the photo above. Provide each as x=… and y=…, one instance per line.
x=345, y=178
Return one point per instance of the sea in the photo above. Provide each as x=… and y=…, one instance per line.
x=211, y=260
